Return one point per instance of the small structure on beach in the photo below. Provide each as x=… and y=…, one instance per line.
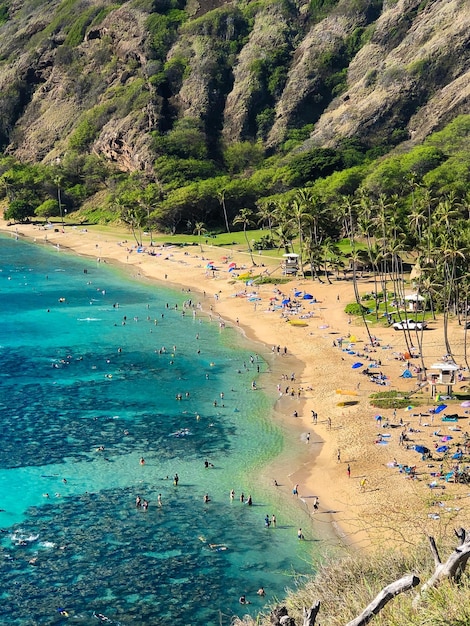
x=442, y=373
x=415, y=302
x=290, y=266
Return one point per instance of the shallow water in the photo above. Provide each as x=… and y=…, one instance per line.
x=82, y=366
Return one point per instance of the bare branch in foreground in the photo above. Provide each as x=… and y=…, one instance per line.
x=387, y=594
x=279, y=616
x=310, y=615
x=452, y=569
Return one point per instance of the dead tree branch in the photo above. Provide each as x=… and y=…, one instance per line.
x=310, y=615
x=452, y=569
x=387, y=594
x=279, y=617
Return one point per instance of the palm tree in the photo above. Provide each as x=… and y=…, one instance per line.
x=221, y=196
x=132, y=215
x=199, y=229
x=299, y=217
x=331, y=252
x=265, y=215
x=315, y=257
x=245, y=217
x=285, y=235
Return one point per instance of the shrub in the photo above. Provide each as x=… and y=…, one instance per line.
x=391, y=400
x=264, y=243
x=355, y=309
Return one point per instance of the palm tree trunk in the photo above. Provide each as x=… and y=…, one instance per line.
x=249, y=247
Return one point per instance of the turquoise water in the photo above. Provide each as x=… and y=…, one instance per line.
x=91, y=366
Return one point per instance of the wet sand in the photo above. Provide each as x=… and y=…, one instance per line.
x=376, y=502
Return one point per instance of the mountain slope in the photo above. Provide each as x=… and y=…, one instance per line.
x=111, y=77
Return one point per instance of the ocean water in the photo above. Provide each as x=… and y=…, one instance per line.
x=98, y=371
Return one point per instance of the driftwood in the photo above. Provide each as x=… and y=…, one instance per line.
x=453, y=568
x=388, y=593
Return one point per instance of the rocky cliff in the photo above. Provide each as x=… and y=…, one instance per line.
x=109, y=77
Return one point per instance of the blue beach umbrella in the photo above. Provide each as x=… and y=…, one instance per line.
x=286, y=301
x=356, y=365
x=422, y=449
x=442, y=449
x=440, y=408
x=308, y=296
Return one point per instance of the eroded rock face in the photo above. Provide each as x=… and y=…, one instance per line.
x=64, y=82
x=411, y=73
x=270, y=32
x=419, y=84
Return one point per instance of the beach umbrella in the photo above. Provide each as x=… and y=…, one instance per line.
x=230, y=269
x=233, y=265
x=409, y=408
x=440, y=408
x=466, y=404
x=457, y=455
x=442, y=449
x=286, y=301
x=297, y=293
x=422, y=449
x=308, y=296
x=356, y=365
x=253, y=299
x=224, y=258
x=446, y=438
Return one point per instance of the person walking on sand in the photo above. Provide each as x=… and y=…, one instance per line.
x=295, y=490
x=349, y=471
x=300, y=534
x=362, y=484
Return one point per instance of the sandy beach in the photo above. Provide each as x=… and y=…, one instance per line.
x=357, y=465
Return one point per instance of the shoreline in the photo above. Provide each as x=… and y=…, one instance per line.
x=360, y=518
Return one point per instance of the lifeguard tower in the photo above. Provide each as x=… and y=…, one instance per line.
x=442, y=373
x=290, y=266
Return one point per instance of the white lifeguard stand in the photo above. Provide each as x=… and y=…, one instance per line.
x=442, y=373
x=290, y=266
